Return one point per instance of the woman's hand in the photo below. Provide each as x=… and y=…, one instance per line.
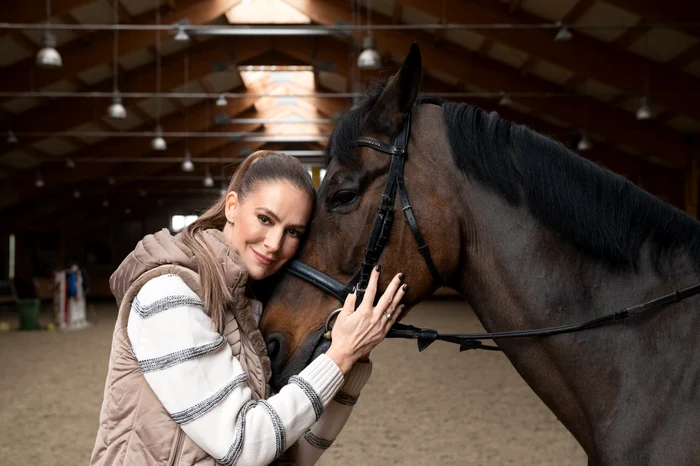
x=356, y=333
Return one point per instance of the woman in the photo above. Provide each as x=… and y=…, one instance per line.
x=188, y=372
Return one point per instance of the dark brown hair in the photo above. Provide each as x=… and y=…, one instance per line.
x=259, y=167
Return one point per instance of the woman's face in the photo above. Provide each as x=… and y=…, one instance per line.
x=266, y=227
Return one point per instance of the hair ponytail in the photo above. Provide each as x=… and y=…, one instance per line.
x=260, y=166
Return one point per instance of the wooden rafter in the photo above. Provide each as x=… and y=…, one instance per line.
x=617, y=125
x=62, y=115
x=666, y=12
x=685, y=58
x=17, y=77
x=199, y=118
x=573, y=15
x=35, y=12
x=585, y=55
x=632, y=35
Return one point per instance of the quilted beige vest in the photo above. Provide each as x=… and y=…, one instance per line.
x=135, y=429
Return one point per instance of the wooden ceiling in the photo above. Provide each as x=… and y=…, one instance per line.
x=592, y=82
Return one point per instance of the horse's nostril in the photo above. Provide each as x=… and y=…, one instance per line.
x=276, y=349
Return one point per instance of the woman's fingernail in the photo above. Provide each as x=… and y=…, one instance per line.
x=405, y=287
x=400, y=276
x=353, y=290
x=378, y=268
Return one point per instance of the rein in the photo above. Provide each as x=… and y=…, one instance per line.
x=379, y=236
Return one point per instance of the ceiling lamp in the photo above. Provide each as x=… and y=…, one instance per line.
x=158, y=143
x=563, y=34
x=39, y=183
x=224, y=189
x=505, y=99
x=76, y=194
x=116, y=111
x=221, y=101
x=187, y=164
x=105, y=203
x=208, y=180
x=181, y=35
x=584, y=143
x=369, y=59
x=70, y=163
x=48, y=56
x=12, y=138
x=111, y=180
x=644, y=111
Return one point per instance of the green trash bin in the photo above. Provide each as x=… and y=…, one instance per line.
x=28, y=313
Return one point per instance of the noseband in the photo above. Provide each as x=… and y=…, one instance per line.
x=398, y=150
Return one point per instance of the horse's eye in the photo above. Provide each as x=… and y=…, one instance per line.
x=344, y=197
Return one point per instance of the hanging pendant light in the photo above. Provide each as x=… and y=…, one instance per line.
x=208, y=180
x=584, y=143
x=187, y=164
x=12, y=138
x=369, y=59
x=223, y=191
x=39, y=182
x=105, y=203
x=48, y=56
x=644, y=111
x=70, y=163
x=504, y=100
x=116, y=111
x=76, y=194
x=221, y=101
x=111, y=180
x=181, y=35
x=563, y=34
x=158, y=143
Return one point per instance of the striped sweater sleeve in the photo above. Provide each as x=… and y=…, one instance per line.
x=323, y=433
x=192, y=370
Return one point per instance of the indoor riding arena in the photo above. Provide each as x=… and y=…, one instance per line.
x=121, y=118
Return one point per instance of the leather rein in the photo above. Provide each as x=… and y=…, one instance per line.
x=379, y=236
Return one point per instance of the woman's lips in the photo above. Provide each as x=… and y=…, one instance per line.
x=262, y=259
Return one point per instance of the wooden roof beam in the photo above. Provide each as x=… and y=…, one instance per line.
x=619, y=126
x=35, y=12
x=666, y=12
x=62, y=115
x=584, y=55
x=24, y=76
x=200, y=117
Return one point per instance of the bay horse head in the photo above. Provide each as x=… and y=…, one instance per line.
x=355, y=181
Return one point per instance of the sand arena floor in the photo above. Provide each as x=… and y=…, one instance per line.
x=437, y=407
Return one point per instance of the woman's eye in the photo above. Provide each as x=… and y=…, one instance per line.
x=264, y=220
x=344, y=197
x=293, y=233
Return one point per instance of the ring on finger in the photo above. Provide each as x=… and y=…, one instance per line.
x=387, y=315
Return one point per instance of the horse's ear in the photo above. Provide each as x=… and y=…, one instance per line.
x=399, y=94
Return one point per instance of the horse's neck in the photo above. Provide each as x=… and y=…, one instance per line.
x=521, y=275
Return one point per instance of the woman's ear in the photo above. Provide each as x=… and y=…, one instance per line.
x=232, y=205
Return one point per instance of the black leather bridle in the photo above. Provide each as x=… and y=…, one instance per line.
x=379, y=237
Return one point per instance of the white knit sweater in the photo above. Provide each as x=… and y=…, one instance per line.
x=192, y=371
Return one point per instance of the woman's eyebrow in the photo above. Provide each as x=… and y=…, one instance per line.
x=277, y=219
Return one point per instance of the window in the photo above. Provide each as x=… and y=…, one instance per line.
x=179, y=222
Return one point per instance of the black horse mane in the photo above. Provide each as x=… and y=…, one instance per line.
x=601, y=213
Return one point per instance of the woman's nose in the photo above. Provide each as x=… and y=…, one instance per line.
x=273, y=241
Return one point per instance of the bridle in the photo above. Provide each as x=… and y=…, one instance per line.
x=379, y=236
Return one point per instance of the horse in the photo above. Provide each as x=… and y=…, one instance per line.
x=531, y=235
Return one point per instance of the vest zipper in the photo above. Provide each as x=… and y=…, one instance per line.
x=178, y=447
